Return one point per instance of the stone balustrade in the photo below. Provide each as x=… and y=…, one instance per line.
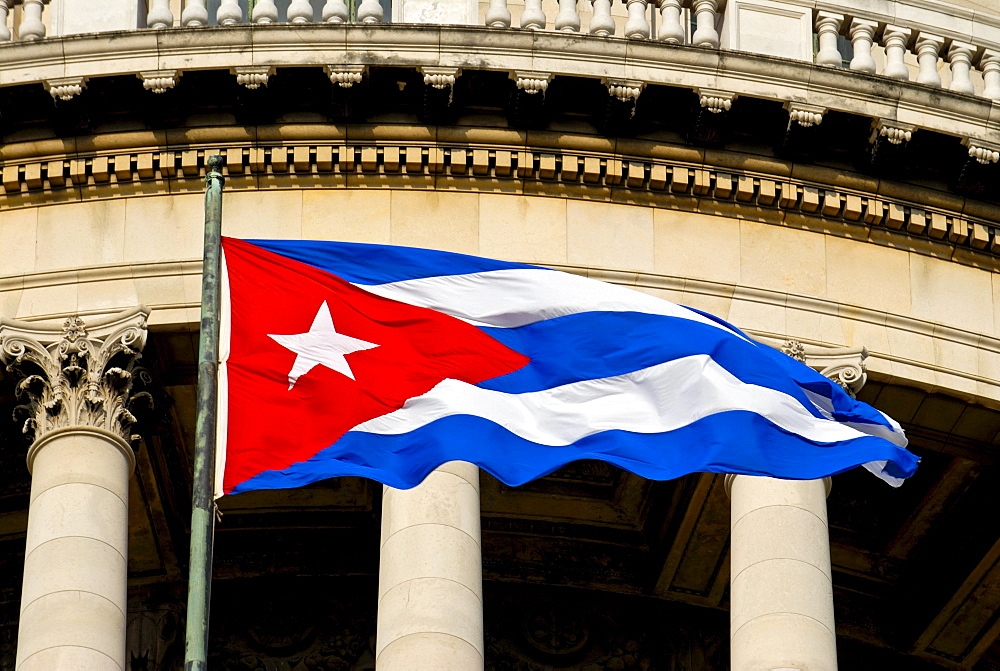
x=893, y=48
x=951, y=47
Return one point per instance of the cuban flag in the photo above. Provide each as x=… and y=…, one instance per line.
x=386, y=362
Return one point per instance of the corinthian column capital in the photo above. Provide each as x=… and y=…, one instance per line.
x=80, y=375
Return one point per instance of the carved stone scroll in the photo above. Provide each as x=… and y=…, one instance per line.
x=843, y=365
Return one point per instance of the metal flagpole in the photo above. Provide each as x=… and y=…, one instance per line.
x=202, y=500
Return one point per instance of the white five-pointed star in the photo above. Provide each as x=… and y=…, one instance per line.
x=320, y=346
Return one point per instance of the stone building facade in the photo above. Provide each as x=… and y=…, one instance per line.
x=823, y=175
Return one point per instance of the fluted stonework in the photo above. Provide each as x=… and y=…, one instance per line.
x=77, y=385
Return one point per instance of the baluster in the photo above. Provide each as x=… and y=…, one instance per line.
x=300, y=11
x=990, y=66
x=229, y=13
x=705, y=35
x=195, y=14
x=31, y=27
x=828, y=28
x=601, y=22
x=265, y=12
x=370, y=11
x=335, y=11
x=894, y=40
x=928, y=48
x=671, y=30
x=159, y=15
x=5, y=33
x=568, y=19
x=960, y=56
x=862, y=38
x=533, y=18
x=498, y=16
x=636, y=27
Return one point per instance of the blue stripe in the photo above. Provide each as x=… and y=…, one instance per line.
x=845, y=408
x=369, y=264
x=594, y=345
x=379, y=264
x=708, y=445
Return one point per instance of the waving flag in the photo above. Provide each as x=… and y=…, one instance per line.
x=385, y=362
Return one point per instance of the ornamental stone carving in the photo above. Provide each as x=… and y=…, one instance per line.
x=253, y=77
x=440, y=77
x=346, y=76
x=78, y=375
x=155, y=630
x=626, y=90
x=893, y=131
x=531, y=82
x=715, y=101
x=843, y=365
x=804, y=114
x=984, y=153
x=794, y=349
x=64, y=88
x=158, y=81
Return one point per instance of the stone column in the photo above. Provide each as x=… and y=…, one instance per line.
x=77, y=391
x=781, y=611
x=781, y=594
x=430, y=603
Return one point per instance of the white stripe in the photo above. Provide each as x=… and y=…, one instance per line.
x=222, y=400
x=877, y=468
x=660, y=398
x=516, y=297
x=894, y=435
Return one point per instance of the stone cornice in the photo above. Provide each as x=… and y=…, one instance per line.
x=636, y=171
x=131, y=53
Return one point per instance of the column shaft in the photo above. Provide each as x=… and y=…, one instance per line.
x=78, y=394
x=73, y=600
x=782, y=591
x=430, y=608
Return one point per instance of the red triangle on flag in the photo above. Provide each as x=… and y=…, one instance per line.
x=411, y=349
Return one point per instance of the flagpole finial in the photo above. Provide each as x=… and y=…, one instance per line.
x=215, y=163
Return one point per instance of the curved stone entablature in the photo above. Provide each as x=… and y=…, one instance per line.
x=638, y=171
x=255, y=53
